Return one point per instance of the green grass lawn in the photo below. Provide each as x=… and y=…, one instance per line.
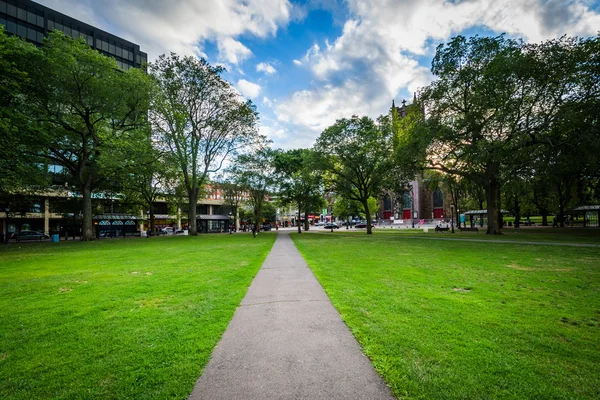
x=132, y=318
x=533, y=234
x=464, y=320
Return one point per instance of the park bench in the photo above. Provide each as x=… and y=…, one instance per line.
x=440, y=229
x=473, y=229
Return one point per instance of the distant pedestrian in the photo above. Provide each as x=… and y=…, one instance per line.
x=253, y=230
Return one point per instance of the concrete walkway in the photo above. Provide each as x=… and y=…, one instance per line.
x=287, y=341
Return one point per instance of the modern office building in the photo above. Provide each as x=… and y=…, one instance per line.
x=56, y=208
x=32, y=21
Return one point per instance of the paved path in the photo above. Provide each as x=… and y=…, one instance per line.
x=287, y=341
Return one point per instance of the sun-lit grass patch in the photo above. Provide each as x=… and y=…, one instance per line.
x=134, y=318
x=531, y=234
x=455, y=319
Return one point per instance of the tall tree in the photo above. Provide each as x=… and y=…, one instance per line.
x=200, y=119
x=20, y=171
x=300, y=184
x=148, y=176
x=255, y=172
x=356, y=154
x=492, y=105
x=234, y=194
x=81, y=108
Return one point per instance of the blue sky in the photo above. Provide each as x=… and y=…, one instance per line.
x=306, y=63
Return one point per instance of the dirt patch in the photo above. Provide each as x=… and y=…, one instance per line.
x=134, y=272
x=148, y=273
x=464, y=290
x=3, y=356
x=83, y=282
x=64, y=289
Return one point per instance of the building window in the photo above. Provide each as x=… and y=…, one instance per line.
x=406, y=200
x=50, y=25
x=67, y=30
x=31, y=34
x=21, y=30
x=2, y=7
x=40, y=21
x=119, y=51
x=11, y=10
x=11, y=27
x=438, y=199
x=21, y=14
x=31, y=18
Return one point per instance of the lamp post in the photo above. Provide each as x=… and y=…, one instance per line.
x=331, y=222
x=452, y=216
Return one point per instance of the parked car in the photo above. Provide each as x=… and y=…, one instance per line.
x=320, y=223
x=330, y=225
x=29, y=235
x=362, y=225
x=168, y=230
x=265, y=227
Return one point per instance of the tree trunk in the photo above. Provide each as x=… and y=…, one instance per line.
x=193, y=199
x=492, y=207
x=298, y=222
x=517, y=212
x=368, y=216
x=544, y=217
x=151, y=218
x=87, y=223
x=306, y=227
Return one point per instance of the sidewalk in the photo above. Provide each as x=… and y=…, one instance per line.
x=287, y=341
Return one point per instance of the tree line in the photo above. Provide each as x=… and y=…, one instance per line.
x=505, y=124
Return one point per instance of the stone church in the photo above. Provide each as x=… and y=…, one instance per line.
x=419, y=200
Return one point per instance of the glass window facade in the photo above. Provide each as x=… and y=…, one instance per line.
x=32, y=21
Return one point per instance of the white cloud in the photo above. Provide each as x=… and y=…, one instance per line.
x=248, y=89
x=374, y=58
x=266, y=68
x=267, y=102
x=233, y=51
x=161, y=26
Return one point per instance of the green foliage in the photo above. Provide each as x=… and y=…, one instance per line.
x=199, y=119
x=356, y=155
x=19, y=171
x=299, y=183
x=255, y=172
x=494, y=109
x=81, y=111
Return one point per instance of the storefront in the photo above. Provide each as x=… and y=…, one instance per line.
x=213, y=223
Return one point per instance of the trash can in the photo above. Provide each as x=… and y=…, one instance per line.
x=54, y=238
